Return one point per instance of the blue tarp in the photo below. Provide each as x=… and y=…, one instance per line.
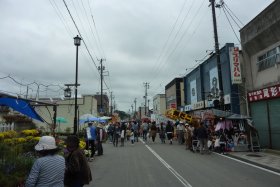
x=21, y=106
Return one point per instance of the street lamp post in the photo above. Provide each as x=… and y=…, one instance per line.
x=77, y=42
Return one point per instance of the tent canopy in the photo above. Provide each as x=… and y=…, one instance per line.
x=21, y=106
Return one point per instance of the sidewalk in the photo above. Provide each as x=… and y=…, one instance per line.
x=268, y=159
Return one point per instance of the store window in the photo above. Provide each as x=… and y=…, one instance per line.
x=269, y=59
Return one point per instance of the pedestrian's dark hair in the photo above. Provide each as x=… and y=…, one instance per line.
x=73, y=140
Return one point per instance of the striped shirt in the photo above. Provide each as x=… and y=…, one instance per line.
x=47, y=171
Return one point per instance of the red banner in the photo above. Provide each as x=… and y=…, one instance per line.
x=265, y=93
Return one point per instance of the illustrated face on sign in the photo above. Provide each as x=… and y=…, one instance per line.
x=214, y=82
x=193, y=92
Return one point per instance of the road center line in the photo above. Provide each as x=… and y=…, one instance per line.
x=252, y=165
x=172, y=170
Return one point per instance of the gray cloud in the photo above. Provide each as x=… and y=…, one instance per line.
x=37, y=46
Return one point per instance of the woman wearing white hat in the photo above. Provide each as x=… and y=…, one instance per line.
x=48, y=169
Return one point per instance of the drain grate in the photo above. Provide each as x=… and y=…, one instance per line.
x=254, y=155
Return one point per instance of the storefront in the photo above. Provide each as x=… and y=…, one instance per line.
x=265, y=110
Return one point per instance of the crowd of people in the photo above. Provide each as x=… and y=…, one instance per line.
x=72, y=170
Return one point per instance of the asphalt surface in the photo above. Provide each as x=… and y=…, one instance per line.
x=164, y=165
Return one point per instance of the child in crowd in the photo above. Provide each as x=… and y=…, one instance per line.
x=132, y=136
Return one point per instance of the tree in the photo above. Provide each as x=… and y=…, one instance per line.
x=122, y=114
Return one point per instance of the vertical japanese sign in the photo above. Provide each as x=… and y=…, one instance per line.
x=214, y=82
x=235, y=65
x=193, y=91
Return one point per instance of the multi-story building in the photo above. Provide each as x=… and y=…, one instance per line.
x=174, y=92
x=87, y=104
x=105, y=104
x=159, y=104
x=260, y=40
x=202, y=83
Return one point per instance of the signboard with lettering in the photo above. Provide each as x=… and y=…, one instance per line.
x=235, y=65
x=265, y=93
x=173, y=105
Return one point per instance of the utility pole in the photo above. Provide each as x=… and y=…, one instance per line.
x=101, y=68
x=146, y=85
x=135, y=107
x=148, y=106
x=217, y=50
x=111, y=103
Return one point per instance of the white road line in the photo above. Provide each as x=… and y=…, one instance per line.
x=252, y=165
x=172, y=170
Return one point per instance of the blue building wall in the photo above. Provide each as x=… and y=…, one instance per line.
x=204, y=72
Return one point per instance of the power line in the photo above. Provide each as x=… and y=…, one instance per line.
x=80, y=34
x=231, y=26
x=169, y=36
x=60, y=15
x=180, y=40
x=233, y=14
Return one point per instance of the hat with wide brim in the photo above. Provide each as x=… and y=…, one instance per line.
x=46, y=143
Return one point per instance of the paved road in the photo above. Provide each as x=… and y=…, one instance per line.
x=164, y=165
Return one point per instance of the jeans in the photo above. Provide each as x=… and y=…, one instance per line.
x=203, y=145
x=91, y=144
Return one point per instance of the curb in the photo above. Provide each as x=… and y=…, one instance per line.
x=254, y=163
x=272, y=151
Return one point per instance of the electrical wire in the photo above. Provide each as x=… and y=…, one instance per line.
x=231, y=26
x=60, y=15
x=80, y=34
x=233, y=14
x=179, y=41
x=168, y=38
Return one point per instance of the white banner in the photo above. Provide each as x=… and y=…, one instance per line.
x=235, y=65
x=193, y=91
x=214, y=82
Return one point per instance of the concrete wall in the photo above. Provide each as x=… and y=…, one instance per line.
x=257, y=37
x=86, y=105
x=159, y=104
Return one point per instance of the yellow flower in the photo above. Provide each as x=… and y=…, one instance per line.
x=30, y=132
x=82, y=144
x=2, y=136
x=20, y=140
x=8, y=141
x=37, y=138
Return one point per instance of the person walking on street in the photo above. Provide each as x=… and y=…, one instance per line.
x=202, y=136
x=77, y=171
x=180, y=131
x=132, y=136
x=145, y=127
x=123, y=133
x=90, y=139
x=153, y=131
x=188, y=136
x=99, y=139
x=116, y=134
x=135, y=127
x=110, y=132
x=48, y=169
x=162, y=133
x=169, y=131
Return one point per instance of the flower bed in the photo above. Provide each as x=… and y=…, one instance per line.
x=17, y=156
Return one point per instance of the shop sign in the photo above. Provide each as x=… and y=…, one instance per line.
x=198, y=105
x=188, y=107
x=265, y=93
x=227, y=99
x=235, y=65
x=173, y=105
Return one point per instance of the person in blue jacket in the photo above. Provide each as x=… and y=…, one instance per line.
x=90, y=139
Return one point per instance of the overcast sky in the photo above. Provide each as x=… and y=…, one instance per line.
x=141, y=41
